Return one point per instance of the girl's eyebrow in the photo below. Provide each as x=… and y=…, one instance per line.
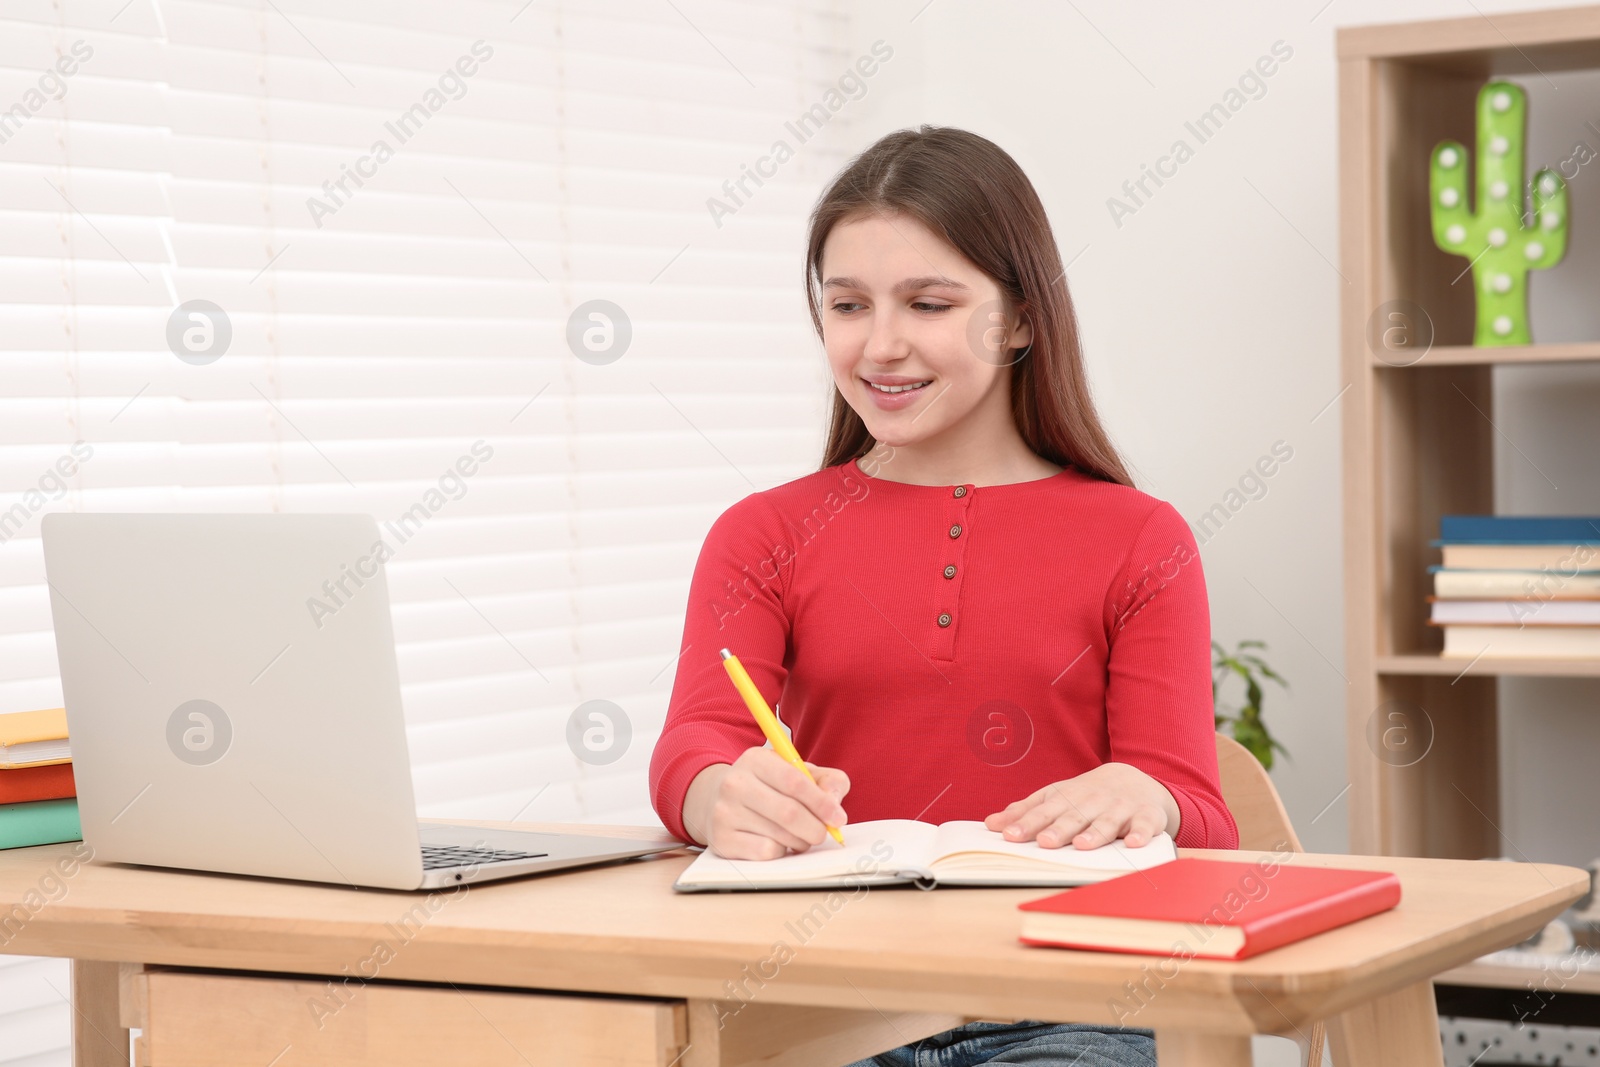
x=907, y=286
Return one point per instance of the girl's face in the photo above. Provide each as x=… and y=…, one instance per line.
x=901, y=306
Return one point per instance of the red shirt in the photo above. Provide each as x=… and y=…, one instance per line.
x=952, y=648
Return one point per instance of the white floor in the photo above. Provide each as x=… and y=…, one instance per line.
x=1279, y=1052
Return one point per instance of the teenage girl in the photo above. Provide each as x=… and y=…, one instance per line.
x=968, y=612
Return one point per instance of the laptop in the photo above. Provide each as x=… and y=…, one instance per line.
x=233, y=704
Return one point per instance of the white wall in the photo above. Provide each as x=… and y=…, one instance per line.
x=1210, y=318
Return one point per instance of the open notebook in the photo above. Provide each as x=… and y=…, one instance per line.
x=887, y=851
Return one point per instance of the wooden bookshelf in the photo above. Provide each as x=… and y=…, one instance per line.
x=1465, y=355
x=1414, y=448
x=1488, y=665
x=1495, y=976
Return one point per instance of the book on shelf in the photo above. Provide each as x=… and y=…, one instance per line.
x=1515, y=611
x=1520, y=529
x=893, y=851
x=1529, y=642
x=39, y=822
x=1553, y=559
x=1480, y=583
x=1205, y=908
x=34, y=738
x=52, y=781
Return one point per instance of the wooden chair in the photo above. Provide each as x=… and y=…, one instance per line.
x=1263, y=825
x=1253, y=799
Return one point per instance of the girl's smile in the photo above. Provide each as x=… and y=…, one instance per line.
x=892, y=393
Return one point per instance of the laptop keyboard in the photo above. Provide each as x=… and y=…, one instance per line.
x=437, y=856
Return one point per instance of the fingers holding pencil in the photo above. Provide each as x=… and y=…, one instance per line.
x=801, y=805
x=763, y=806
x=772, y=729
x=835, y=783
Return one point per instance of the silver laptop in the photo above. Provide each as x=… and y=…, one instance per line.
x=233, y=704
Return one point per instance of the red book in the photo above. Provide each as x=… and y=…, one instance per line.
x=53, y=781
x=1210, y=909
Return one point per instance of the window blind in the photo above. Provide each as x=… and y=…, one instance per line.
x=84, y=207
x=353, y=255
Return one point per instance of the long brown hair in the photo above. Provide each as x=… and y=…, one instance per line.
x=967, y=188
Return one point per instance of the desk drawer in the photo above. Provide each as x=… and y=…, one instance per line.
x=200, y=1019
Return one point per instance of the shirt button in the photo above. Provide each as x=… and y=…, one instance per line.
x=955, y=531
x=961, y=491
x=944, y=620
x=950, y=571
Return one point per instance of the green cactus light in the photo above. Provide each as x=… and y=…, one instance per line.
x=1502, y=251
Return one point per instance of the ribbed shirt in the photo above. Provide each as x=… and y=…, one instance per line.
x=952, y=648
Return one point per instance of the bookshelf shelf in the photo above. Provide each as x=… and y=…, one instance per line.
x=1487, y=665
x=1419, y=438
x=1499, y=976
x=1526, y=42
x=1472, y=355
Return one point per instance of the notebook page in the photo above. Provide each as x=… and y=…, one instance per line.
x=875, y=849
x=968, y=844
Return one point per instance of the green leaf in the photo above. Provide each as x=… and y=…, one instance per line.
x=1254, y=738
x=1266, y=671
x=1244, y=722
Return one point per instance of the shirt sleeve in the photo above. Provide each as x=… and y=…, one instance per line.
x=735, y=602
x=1160, y=716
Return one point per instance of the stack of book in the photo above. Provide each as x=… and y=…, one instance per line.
x=1518, y=585
x=38, y=798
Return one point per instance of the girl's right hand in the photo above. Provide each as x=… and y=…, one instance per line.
x=760, y=806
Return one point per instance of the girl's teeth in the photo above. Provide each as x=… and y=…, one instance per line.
x=895, y=388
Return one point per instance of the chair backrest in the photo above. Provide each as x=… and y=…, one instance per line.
x=1251, y=797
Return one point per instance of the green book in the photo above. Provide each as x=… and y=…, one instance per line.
x=39, y=822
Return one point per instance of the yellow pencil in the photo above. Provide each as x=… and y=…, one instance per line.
x=766, y=720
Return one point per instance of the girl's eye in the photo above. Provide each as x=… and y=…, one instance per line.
x=924, y=306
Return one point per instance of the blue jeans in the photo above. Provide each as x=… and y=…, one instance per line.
x=1027, y=1043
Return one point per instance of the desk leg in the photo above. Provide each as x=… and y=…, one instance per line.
x=98, y=1037
x=1184, y=1048
x=1398, y=1030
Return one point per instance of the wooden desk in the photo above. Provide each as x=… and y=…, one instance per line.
x=609, y=966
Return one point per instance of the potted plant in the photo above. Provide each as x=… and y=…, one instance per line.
x=1244, y=723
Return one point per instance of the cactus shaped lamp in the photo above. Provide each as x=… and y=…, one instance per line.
x=1502, y=250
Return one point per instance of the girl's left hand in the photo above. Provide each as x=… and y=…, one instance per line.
x=1115, y=800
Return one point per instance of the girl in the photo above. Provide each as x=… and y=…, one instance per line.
x=968, y=612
